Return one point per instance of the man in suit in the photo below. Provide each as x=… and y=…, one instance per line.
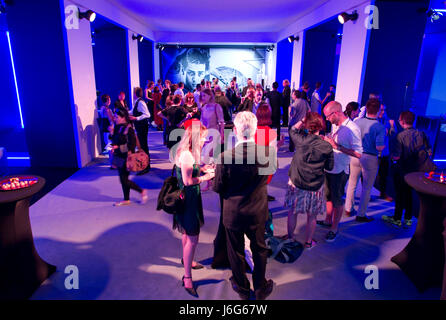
x=275, y=101
x=240, y=178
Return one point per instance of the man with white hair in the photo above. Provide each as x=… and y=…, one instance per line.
x=241, y=178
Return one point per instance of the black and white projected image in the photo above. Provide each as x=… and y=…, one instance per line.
x=191, y=65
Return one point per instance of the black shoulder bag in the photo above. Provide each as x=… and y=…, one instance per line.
x=171, y=198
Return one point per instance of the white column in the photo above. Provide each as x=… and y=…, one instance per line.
x=353, y=58
x=133, y=64
x=80, y=52
x=156, y=62
x=298, y=54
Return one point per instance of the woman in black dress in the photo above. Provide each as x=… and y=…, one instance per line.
x=187, y=161
x=123, y=141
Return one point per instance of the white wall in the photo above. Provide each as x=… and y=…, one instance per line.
x=84, y=89
x=296, y=68
x=353, y=51
x=133, y=64
x=353, y=58
x=108, y=10
x=156, y=62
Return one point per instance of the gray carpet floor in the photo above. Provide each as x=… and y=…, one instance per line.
x=133, y=253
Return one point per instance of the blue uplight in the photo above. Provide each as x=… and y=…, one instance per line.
x=15, y=79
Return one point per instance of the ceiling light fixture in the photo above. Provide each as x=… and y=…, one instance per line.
x=89, y=15
x=139, y=37
x=344, y=17
x=434, y=14
x=293, y=38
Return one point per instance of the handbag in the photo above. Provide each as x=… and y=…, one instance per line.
x=284, y=251
x=171, y=198
x=139, y=160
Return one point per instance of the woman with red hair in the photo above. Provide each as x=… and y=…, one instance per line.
x=314, y=155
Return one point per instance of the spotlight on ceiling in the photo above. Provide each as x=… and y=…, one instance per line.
x=344, y=17
x=269, y=48
x=434, y=14
x=89, y=15
x=160, y=46
x=139, y=37
x=293, y=38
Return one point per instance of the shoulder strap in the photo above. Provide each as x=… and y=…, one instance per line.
x=138, y=145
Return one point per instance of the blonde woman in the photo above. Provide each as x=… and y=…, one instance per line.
x=187, y=161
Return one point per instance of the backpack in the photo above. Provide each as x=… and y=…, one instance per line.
x=171, y=198
x=284, y=251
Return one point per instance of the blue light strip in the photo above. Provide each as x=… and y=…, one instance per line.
x=440, y=160
x=18, y=158
x=15, y=79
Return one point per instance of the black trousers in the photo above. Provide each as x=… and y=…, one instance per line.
x=291, y=143
x=383, y=173
x=126, y=183
x=285, y=116
x=236, y=254
x=142, y=130
x=403, y=197
x=220, y=260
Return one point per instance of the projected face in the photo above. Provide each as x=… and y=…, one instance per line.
x=194, y=74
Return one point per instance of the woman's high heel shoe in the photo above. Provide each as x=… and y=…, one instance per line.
x=196, y=267
x=192, y=290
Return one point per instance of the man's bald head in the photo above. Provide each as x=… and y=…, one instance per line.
x=333, y=113
x=333, y=106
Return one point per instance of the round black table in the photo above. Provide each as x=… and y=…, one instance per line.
x=423, y=259
x=21, y=268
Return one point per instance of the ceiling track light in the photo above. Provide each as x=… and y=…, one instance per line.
x=293, y=38
x=160, y=46
x=138, y=37
x=434, y=14
x=88, y=15
x=344, y=17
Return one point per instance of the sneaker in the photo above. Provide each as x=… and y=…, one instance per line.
x=363, y=219
x=408, y=223
x=331, y=236
x=391, y=220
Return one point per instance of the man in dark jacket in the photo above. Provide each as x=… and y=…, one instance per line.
x=411, y=153
x=241, y=178
x=275, y=101
x=286, y=101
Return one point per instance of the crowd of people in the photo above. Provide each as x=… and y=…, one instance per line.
x=332, y=147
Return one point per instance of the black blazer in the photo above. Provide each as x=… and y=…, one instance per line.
x=240, y=178
x=119, y=105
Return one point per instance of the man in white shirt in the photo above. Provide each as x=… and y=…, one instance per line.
x=316, y=100
x=345, y=139
x=140, y=116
